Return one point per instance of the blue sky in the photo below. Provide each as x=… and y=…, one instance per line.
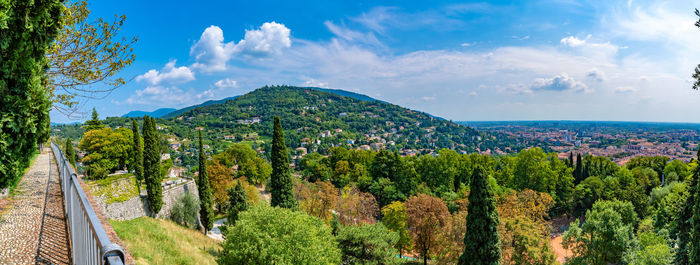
x=496, y=60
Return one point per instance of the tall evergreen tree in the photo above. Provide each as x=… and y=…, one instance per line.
x=206, y=210
x=694, y=253
x=578, y=171
x=137, y=162
x=281, y=184
x=570, y=162
x=684, y=221
x=151, y=165
x=70, y=152
x=94, y=123
x=237, y=202
x=482, y=244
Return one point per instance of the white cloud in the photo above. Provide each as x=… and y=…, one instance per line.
x=211, y=52
x=159, y=95
x=573, y=41
x=352, y=35
x=315, y=83
x=625, y=89
x=561, y=82
x=269, y=39
x=169, y=74
x=426, y=98
x=473, y=94
x=596, y=75
x=226, y=83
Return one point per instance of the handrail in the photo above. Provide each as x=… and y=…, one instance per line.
x=89, y=242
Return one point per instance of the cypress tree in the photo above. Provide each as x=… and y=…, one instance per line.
x=70, y=152
x=151, y=165
x=137, y=162
x=578, y=171
x=237, y=202
x=570, y=162
x=206, y=211
x=482, y=244
x=684, y=222
x=694, y=252
x=281, y=185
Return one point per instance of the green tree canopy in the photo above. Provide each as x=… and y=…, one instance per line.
x=481, y=241
x=106, y=150
x=273, y=235
x=151, y=165
x=281, y=184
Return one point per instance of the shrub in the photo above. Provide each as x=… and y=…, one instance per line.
x=185, y=210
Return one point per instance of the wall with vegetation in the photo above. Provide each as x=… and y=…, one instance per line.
x=137, y=206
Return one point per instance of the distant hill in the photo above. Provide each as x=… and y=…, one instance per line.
x=206, y=103
x=321, y=118
x=156, y=113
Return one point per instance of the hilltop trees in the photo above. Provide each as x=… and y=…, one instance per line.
x=281, y=185
x=137, y=159
x=206, y=211
x=151, y=165
x=27, y=29
x=481, y=241
x=94, y=123
x=425, y=216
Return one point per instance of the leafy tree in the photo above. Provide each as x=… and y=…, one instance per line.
x=356, y=207
x=394, y=218
x=425, y=217
x=317, y=199
x=151, y=165
x=367, y=244
x=85, y=53
x=238, y=203
x=481, y=241
x=184, y=211
x=206, y=211
x=281, y=185
x=221, y=180
x=70, y=151
x=274, y=235
x=694, y=253
x=684, y=222
x=95, y=123
x=250, y=165
x=525, y=243
x=651, y=249
x=27, y=29
x=106, y=150
x=137, y=159
x=605, y=235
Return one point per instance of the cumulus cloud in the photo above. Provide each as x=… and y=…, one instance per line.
x=226, y=83
x=561, y=82
x=169, y=74
x=596, y=75
x=211, y=52
x=573, y=41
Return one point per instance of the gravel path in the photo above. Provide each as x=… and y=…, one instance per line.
x=33, y=230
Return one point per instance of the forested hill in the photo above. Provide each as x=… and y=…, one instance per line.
x=323, y=119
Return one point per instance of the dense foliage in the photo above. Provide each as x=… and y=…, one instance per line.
x=237, y=203
x=27, y=29
x=70, y=151
x=137, y=155
x=367, y=244
x=274, y=235
x=106, y=151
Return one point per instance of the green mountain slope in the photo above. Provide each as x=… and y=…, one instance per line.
x=321, y=119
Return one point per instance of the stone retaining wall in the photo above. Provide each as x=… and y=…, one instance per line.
x=138, y=206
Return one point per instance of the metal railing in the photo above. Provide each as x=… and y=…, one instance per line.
x=89, y=242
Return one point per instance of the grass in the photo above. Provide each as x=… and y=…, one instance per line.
x=116, y=188
x=157, y=241
x=16, y=182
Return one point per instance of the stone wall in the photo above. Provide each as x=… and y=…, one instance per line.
x=138, y=206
